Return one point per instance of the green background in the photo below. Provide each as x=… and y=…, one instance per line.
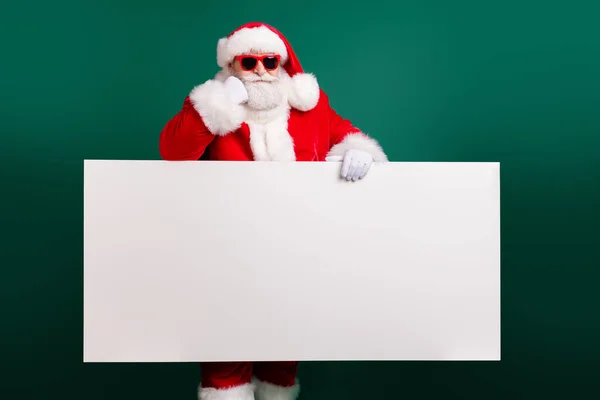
x=512, y=81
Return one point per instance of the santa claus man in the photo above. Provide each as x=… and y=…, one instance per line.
x=261, y=106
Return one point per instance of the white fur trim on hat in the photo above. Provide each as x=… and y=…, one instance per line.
x=219, y=113
x=304, y=91
x=358, y=141
x=246, y=40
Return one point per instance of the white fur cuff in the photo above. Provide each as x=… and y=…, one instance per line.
x=243, y=392
x=268, y=391
x=304, y=91
x=219, y=113
x=358, y=141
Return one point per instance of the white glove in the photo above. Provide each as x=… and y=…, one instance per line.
x=236, y=90
x=355, y=164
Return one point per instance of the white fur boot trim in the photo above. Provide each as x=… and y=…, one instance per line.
x=243, y=392
x=268, y=391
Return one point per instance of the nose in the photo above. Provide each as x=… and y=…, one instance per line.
x=260, y=69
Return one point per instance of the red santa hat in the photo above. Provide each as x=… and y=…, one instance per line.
x=263, y=38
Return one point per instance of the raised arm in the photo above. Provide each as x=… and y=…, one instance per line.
x=211, y=109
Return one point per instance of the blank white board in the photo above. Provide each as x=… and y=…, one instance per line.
x=236, y=261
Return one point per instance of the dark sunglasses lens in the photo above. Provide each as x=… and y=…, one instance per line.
x=248, y=63
x=270, y=62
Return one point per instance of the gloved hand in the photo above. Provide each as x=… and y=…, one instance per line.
x=355, y=164
x=236, y=90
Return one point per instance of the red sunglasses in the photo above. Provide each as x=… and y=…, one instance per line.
x=248, y=63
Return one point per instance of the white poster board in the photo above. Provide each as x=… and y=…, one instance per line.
x=235, y=261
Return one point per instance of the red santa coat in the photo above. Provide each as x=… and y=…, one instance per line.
x=305, y=128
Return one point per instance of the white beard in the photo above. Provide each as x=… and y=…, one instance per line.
x=267, y=113
x=263, y=96
x=265, y=93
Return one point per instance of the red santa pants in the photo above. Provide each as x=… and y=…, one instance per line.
x=224, y=375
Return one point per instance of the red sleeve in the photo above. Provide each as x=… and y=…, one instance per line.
x=185, y=136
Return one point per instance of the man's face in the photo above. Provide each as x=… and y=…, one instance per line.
x=260, y=74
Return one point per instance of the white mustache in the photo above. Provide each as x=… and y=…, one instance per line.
x=261, y=78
